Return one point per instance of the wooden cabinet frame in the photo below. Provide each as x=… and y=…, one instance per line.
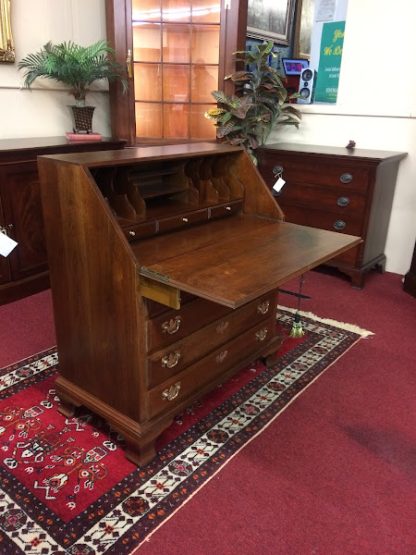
x=119, y=34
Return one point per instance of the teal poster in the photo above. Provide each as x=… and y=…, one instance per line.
x=326, y=89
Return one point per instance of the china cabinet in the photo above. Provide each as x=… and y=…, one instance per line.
x=176, y=53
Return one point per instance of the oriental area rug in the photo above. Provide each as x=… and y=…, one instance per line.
x=66, y=487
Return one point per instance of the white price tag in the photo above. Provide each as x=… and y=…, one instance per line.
x=279, y=185
x=6, y=244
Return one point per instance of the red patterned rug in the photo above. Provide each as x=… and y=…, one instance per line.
x=66, y=487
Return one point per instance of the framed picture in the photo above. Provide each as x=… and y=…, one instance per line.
x=270, y=20
x=303, y=28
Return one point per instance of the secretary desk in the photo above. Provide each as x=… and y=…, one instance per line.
x=164, y=264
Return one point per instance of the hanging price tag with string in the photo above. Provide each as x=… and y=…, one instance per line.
x=278, y=172
x=6, y=244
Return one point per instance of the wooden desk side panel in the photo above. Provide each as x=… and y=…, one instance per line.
x=257, y=198
x=94, y=284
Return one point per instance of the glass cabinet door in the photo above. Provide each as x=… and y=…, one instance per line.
x=177, y=53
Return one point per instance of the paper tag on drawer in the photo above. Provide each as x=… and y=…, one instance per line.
x=278, y=186
x=6, y=244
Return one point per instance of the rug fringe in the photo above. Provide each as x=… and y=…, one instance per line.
x=342, y=325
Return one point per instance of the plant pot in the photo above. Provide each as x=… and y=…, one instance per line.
x=82, y=116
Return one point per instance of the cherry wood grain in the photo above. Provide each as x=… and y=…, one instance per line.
x=117, y=349
x=239, y=269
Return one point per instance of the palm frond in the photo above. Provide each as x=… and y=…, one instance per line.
x=73, y=65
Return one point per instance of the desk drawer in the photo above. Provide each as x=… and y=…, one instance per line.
x=173, y=325
x=174, y=358
x=183, y=220
x=174, y=391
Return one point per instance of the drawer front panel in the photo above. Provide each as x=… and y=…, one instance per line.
x=322, y=220
x=176, y=357
x=224, y=210
x=139, y=231
x=322, y=172
x=178, y=222
x=341, y=201
x=173, y=325
x=175, y=390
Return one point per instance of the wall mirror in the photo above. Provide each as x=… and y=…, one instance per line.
x=7, y=54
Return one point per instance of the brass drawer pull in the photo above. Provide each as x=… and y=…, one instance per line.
x=339, y=225
x=222, y=326
x=343, y=201
x=171, y=360
x=263, y=308
x=262, y=334
x=132, y=233
x=345, y=178
x=221, y=357
x=171, y=392
x=228, y=208
x=172, y=326
x=186, y=220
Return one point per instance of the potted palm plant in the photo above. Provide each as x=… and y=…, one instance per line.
x=261, y=101
x=77, y=67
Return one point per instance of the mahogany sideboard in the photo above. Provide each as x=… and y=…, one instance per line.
x=164, y=266
x=348, y=191
x=25, y=270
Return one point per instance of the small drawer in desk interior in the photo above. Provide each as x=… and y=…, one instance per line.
x=183, y=220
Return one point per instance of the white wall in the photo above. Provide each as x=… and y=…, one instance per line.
x=376, y=101
x=376, y=106
x=43, y=111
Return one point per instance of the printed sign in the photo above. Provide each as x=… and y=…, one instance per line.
x=332, y=41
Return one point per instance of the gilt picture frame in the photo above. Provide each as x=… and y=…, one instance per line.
x=270, y=20
x=7, y=53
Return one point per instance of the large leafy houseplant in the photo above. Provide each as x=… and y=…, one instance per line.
x=73, y=65
x=260, y=102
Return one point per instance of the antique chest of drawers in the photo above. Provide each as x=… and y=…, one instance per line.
x=165, y=264
x=349, y=191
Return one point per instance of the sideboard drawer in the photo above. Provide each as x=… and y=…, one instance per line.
x=342, y=201
x=174, y=391
x=352, y=176
x=323, y=220
x=174, y=358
